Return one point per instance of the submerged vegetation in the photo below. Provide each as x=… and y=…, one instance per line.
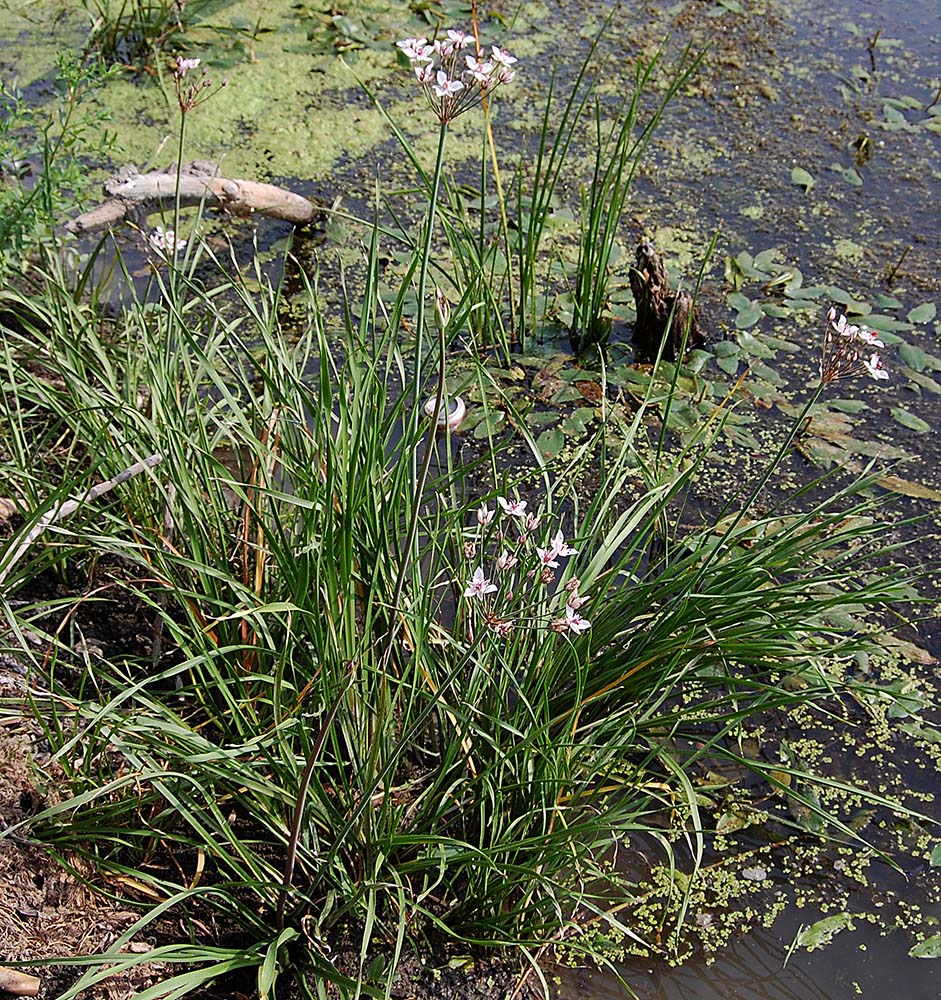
x=415, y=663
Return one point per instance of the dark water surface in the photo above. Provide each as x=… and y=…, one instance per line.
x=827, y=88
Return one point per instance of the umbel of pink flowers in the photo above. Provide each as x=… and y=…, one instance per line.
x=849, y=350
x=454, y=73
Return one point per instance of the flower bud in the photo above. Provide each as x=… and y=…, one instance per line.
x=442, y=310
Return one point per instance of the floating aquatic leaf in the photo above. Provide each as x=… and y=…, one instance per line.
x=697, y=360
x=756, y=874
x=732, y=820
x=848, y=405
x=924, y=313
x=936, y=855
x=577, y=423
x=734, y=274
x=807, y=292
x=929, y=948
x=909, y=420
x=738, y=301
x=541, y=418
x=768, y=374
x=821, y=933
x=749, y=316
x=801, y=178
x=550, y=443
x=923, y=381
x=567, y=394
x=894, y=119
x=775, y=310
x=767, y=258
x=850, y=174
x=489, y=424
x=927, y=735
x=754, y=346
x=886, y=324
x=886, y=301
x=839, y=295
x=913, y=356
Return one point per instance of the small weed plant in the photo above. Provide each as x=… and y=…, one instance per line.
x=389, y=696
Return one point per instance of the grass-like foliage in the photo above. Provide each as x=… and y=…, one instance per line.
x=135, y=33
x=42, y=154
x=390, y=696
x=310, y=753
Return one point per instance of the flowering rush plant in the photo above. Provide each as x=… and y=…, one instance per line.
x=517, y=589
x=849, y=350
x=455, y=73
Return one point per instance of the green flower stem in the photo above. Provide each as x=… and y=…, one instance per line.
x=425, y=259
x=417, y=409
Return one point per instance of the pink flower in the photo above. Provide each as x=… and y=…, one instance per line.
x=574, y=620
x=445, y=87
x=869, y=338
x=560, y=546
x=502, y=56
x=479, y=585
x=183, y=66
x=484, y=515
x=506, y=561
x=417, y=49
x=875, y=367
x=458, y=39
x=575, y=601
x=515, y=507
x=480, y=71
x=425, y=74
x=548, y=557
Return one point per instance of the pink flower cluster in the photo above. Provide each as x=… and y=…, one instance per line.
x=165, y=242
x=536, y=565
x=189, y=95
x=455, y=73
x=849, y=350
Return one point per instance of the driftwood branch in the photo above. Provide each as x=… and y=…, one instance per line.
x=70, y=506
x=133, y=195
x=18, y=983
x=664, y=317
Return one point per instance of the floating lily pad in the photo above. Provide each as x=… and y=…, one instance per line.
x=801, y=178
x=541, y=418
x=886, y=324
x=551, y=442
x=913, y=356
x=909, y=420
x=886, y=301
x=848, y=405
x=924, y=313
x=749, y=316
x=929, y=948
x=567, y=394
x=923, y=381
x=755, y=346
x=821, y=933
x=896, y=484
x=489, y=424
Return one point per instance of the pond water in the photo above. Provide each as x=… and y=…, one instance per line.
x=809, y=130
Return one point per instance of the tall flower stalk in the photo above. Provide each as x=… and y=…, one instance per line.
x=455, y=75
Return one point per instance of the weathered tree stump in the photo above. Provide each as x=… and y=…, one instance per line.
x=133, y=195
x=663, y=316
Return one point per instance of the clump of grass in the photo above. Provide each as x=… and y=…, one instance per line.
x=386, y=694
x=134, y=33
